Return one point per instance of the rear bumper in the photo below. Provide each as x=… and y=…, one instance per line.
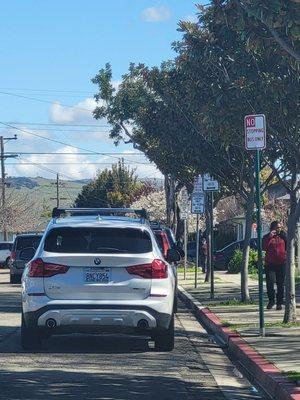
x=75, y=318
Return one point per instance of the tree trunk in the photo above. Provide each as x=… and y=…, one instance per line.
x=169, y=184
x=167, y=194
x=290, y=294
x=208, y=222
x=179, y=232
x=245, y=296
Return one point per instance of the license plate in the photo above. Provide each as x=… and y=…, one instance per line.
x=97, y=275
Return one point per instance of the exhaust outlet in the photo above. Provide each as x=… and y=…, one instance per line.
x=143, y=324
x=51, y=323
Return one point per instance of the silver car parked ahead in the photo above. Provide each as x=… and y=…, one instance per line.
x=98, y=273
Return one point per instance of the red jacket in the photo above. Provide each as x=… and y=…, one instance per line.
x=275, y=248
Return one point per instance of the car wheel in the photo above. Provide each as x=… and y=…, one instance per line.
x=164, y=340
x=30, y=337
x=175, y=304
x=14, y=278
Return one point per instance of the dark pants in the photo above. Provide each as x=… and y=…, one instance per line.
x=275, y=273
x=202, y=262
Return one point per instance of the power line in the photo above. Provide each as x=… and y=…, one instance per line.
x=75, y=163
x=56, y=124
x=47, y=90
x=72, y=154
x=44, y=101
x=55, y=140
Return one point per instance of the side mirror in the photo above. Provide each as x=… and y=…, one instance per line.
x=173, y=256
x=27, y=254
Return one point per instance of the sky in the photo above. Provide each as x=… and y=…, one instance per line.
x=50, y=52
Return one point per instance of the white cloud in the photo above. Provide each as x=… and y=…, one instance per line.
x=81, y=112
x=191, y=18
x=156, y=14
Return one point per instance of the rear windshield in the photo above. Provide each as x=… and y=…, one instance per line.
x=27, y=241
x=98, y=240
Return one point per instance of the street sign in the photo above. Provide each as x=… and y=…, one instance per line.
x=255, y=139
x=198, y=203
x=184, y=215
x=210, y=184
x=198, y=184
x=183, y=196
x=255, y=132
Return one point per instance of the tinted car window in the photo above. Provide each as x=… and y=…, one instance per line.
x=23, y=242
x=98, y=240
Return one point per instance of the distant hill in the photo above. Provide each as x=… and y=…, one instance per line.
x=43, y=191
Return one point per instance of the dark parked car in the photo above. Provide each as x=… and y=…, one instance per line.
x=223, y=256
x=16, y=263
x=191, y=251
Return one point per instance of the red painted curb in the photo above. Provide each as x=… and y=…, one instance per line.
x=267, y=375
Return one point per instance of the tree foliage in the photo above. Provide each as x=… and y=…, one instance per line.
x=187, y=115
x=115, y=187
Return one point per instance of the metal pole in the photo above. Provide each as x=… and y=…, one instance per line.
x=185, y=249
x=197, y=252
x=3, y=189
x=259, y=244
x=211, y=248
x=57, y=190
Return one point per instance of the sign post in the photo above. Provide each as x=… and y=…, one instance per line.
x=198, y=207
x=255, y=139
x=211, y=185
x=184, y=215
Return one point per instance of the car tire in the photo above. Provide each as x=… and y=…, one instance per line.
x=164, y=340
x=175, y=307
x=6, y=265
x=30, y=337
x=13, y=278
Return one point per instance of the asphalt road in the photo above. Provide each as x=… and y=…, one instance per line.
x=114, y=367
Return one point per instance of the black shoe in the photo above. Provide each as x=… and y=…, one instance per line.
x=270, y=305
x=279, y=307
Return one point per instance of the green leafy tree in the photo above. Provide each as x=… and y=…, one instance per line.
x=115, y=187
x=187, y=115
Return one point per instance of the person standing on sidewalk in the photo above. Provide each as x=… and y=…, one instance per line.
x=274, y=244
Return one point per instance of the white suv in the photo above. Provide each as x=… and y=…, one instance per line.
x=94, y=272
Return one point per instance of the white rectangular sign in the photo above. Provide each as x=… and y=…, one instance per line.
x=198, y=184
x=255, y=132
x=210, y=184
x=184, y=215
x=198, y=203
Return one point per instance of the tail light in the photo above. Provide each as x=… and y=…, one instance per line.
x=13, y=256
x=40, y=269
x=156, y=270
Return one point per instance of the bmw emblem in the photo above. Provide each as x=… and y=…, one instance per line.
x=97, y=261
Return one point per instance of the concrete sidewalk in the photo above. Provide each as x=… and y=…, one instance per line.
x=281, y=346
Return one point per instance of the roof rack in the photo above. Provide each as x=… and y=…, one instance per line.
x=57, y=212
x=156, y=224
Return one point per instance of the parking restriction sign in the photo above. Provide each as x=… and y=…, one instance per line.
x=255, y=132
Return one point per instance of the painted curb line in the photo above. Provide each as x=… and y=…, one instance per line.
x=268, y=377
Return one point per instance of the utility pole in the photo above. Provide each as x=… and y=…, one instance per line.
x=58, y=185
x=3, y=156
